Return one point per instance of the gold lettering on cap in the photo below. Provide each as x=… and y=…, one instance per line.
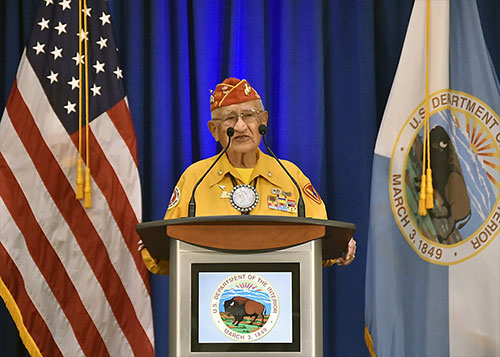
x=247, y=89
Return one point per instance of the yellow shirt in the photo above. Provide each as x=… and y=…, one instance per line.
x=278, y=196
x=244, y=173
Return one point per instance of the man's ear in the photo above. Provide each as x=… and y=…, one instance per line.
x=264, y=121
x=212, y=126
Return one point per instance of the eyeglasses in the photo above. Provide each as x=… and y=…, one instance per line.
x=248, y=116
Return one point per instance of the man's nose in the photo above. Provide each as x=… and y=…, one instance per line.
x=240, y=124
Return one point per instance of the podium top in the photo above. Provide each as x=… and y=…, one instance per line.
x=241, y=233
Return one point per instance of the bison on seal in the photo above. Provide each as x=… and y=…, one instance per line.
x=239, y=307
x=449, y=184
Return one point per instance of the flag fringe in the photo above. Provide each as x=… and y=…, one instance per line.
x=14, y=311
x=369, y=342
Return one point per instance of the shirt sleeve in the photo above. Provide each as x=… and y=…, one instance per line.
x=179, y=201
x=155, y=266
x=315, y=206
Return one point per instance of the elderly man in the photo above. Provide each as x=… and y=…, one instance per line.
x=244, y=180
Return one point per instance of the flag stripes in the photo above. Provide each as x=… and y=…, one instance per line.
x=52, y=273
x=74, y=279
x=84, y=232
x=113, y=152
x=41, y=334
x=117, y=113
x=72, y=276
x=105, y=177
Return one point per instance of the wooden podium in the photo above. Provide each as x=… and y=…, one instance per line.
x=246, y=284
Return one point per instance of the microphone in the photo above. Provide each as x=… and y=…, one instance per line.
x=301, y=209
x=192, y=202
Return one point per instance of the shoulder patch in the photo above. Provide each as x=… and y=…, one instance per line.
x=311, y=193
x=174, y=199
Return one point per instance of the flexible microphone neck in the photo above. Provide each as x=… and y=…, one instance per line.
x=192, y=201
x=301, y=209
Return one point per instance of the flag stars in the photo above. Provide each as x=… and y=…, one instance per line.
x=65, y=4
x=70, y=107
x=53, y=77
x=74, y=83
x=39, y=48
x=99, y=67
x=61, y=28
x=83, y=35
x=48, y=2
x=104, y=19
x=103, y=42
x=78, y=59
x=96, y=90
x=57, y=52
x=118, y=73
x=44, y=24
x=87, y=11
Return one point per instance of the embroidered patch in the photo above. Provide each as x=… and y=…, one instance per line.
x=311, y=193
x=174, y=199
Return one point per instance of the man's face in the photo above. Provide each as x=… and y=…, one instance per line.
x=246, y=138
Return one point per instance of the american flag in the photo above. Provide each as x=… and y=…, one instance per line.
x=71, y=276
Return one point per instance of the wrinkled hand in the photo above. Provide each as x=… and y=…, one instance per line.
x=350, y=255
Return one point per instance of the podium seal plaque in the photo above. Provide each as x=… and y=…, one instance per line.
x=245, y=307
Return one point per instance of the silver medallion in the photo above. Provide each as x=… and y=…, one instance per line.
x=244, y=198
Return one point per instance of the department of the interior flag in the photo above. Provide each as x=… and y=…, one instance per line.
x=432, y=285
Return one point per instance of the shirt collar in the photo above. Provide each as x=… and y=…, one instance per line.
x=265, y=167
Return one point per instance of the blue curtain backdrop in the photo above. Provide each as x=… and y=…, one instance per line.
x=324, y=70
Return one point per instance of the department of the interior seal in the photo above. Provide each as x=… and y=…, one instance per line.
x=465, y=162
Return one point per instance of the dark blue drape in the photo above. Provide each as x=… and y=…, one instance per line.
x=324, y=70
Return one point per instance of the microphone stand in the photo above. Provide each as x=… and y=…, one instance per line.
x=301, y=209
x=192, y=202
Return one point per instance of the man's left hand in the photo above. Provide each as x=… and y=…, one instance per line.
x=350, y=255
